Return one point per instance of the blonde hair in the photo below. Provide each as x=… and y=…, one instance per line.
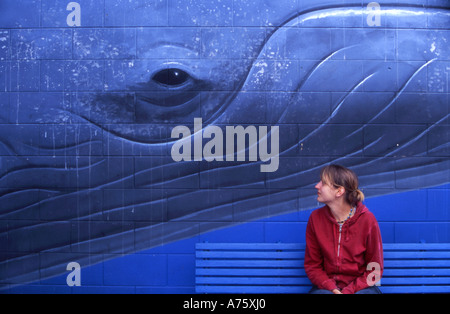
x=339, y=176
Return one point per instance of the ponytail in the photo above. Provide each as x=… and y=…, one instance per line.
x=354, y=197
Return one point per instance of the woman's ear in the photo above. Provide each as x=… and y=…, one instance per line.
x=340, y=191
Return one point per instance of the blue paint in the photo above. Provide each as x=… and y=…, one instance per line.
x=86, y=115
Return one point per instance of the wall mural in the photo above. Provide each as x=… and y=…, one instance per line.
x=124, y=124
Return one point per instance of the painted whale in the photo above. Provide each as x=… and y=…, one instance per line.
x=372, y=98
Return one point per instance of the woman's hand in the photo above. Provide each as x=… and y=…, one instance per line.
x=336, y=291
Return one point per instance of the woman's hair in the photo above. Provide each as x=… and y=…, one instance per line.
x=339, y=176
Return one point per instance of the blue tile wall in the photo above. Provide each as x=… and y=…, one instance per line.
x=87, y=113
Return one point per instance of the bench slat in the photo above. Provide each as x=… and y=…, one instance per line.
x=300, y=255
x=305, y=281
x=293, y=272
x=252, y=289
x=415, y=289
x=411, y=272
x=416, y=246
x=296, y=263
x=416, y=263
x=417, y=255
x=250, y=255
x=250, y=246
x=249, y=263
x=300, y=272
x=415, y=281
x=306, y=289
x=301, y=246
x=254, y=280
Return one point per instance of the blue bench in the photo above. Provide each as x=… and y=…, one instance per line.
x=253, y=268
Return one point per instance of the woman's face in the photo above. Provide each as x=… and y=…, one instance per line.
x=325, y=192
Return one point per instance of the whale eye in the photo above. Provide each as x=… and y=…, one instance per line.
x=171, y=77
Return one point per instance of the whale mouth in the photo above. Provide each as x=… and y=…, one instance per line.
x=166, y=106
x=167, y=100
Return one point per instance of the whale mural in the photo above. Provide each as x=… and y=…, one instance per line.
x=88, y=164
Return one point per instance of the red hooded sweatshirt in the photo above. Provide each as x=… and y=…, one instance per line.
x=337, y=258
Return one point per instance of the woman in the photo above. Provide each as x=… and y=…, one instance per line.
x=342, y=238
